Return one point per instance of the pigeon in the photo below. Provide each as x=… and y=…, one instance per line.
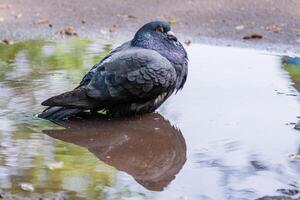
x=134, y=78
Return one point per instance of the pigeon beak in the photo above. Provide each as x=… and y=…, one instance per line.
x=171, y=35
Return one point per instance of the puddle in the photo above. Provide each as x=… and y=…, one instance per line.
x=227, y=135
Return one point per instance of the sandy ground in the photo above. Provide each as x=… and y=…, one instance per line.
x=215, y=21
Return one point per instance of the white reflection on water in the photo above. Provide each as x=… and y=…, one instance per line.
x=234, y=123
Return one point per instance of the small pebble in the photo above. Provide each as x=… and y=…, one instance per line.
x=27, y=187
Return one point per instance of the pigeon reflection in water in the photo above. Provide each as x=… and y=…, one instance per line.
x=147, y=147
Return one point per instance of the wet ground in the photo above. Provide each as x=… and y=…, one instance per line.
x=223, y=22
x=229, y=134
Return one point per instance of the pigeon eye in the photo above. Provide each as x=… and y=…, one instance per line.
x=159, y=29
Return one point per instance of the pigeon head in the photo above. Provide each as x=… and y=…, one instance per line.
x=157, y=35
x=152, y=30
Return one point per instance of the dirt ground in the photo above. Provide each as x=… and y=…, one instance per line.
x=278, y=21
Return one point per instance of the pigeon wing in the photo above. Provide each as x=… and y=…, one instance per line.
x=133, y=75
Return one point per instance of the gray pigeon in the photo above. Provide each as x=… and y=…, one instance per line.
x=135, y=78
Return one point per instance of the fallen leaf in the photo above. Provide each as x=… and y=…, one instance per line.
x=131, y=17
x=27, y=187
x=69, y=30
x=253, y=36
x=172, y=21
x=188, y=42
x=41, y=21
x=240, y=27
x=56, y=165
x=8, y=40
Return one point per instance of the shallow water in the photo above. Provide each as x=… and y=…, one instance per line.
x=227, y=135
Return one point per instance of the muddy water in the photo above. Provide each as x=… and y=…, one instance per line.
x=227, y=135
